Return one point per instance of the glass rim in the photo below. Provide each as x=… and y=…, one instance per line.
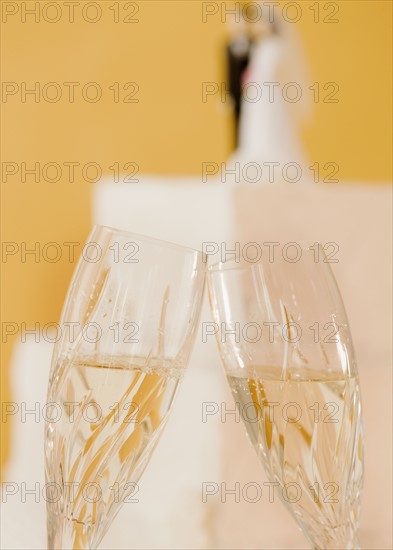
x=232, y=264
x=141, y=237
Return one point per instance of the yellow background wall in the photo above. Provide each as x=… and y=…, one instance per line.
x=169, y=53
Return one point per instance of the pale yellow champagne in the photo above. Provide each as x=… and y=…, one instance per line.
x=306, y=427
x=112, y=413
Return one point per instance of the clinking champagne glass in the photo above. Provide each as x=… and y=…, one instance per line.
x=286, y=347
x=128, y=327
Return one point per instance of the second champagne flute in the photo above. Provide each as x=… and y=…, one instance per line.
x=287, y=351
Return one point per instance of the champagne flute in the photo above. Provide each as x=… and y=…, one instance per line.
x=128, y=327
x=286, y=347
